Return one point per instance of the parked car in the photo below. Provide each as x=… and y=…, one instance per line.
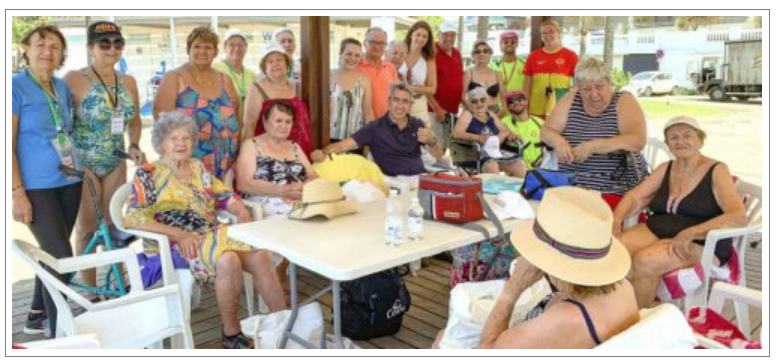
x=652, y=83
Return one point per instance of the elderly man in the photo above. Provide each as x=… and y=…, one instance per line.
x=396, y=53
x=235, y=46
x=381, y=73
x=510, y=66
x=395, y=139
x=286, y=39
x=444, y=107
x=549, y=71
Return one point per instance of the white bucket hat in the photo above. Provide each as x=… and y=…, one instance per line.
x=571, y=239
x=322, y=197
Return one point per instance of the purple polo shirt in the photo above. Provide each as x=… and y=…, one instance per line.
x=397, y=152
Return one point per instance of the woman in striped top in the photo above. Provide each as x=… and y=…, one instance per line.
x=598, y=134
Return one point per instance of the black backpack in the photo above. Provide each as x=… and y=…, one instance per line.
x=373, y=306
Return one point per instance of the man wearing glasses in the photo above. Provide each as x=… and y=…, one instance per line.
x=381, y=73
x=525, y=128
x=510, y=67
x=395, y=139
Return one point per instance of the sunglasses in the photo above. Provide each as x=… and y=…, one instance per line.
x=482, y=51
x=517, y=100
x=105, y=44
x=476, y=101
x=510, y=41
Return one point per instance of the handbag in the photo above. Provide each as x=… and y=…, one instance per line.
x=451, y=199
x=538, y=180
x=373, y=306
x=268, y=329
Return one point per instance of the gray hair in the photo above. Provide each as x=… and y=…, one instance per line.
x=280, y=31
x=477, y=93
x=399, y=86
x=375, y=29
x=592, y=69
x=398, y=42
x=166, y=123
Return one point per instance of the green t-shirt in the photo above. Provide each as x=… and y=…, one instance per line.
x=241, y=82
x=529, y=132
x=512, y=73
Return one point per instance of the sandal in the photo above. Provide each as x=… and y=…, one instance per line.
x=238, y=341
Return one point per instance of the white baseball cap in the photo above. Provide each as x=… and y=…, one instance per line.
x=682, y=120
x=447, y=28
x=509, y=204
x=234, y=32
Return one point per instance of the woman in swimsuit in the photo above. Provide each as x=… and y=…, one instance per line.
x=688, y=197
x=481, y=75
x=106, y=108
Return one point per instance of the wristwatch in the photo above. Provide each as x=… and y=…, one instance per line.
x=433, y=142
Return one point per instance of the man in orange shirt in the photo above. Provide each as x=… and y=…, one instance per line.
x=382, y=74
x=549, y=71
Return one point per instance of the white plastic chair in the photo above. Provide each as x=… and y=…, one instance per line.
x=661, y=327
x=656, y=152
x=183, y=277
x=742, y=298
x=752, y=195
x=137, y=320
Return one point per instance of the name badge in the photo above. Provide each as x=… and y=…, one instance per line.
x=117, y=125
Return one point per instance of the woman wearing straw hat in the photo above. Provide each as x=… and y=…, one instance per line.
x=276, y=86
x=571, y=246
x=687, y=197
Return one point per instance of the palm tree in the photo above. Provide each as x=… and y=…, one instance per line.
x=460, y=32
x=607, y=51
x=694, y=22
x=483, y=28
x=583, y=31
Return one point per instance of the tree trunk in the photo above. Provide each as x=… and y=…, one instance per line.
x=460, y=32
x=607, y=52
x=483, y=28
x=584, y=30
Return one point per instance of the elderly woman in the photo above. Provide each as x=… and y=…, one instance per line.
x=235, y=46
x=273, y=87
x=419, y=69
x=106, y=106
x=570, y=246
x=351, y=95
x=284, y=37
x=176, y=196
x=598, y=134
x=482, y=75
x=688, y=197
x=44, y=199
x=208, y=96
x=478, y=125
x=396, y=51
x=272, y=169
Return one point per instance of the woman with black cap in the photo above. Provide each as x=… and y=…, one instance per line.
x=105, y=105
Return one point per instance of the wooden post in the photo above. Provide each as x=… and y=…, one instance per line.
x=536, y=42
x=315, y=69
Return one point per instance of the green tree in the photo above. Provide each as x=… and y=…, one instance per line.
x=20, y=26
x=694, y=22
x=483, y=28
x=434, y=22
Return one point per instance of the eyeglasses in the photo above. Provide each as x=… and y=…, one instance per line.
x=476, y=101
x=482, y=51
x=376, y=43
x=105, y=44
x=517, y=100
x=510, y=41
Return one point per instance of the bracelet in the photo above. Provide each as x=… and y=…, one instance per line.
x=134, y=145
x=433, y=142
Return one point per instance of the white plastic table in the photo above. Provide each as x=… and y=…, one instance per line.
x=349, y=247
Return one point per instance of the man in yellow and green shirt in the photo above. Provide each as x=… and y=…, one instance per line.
x=525, y=129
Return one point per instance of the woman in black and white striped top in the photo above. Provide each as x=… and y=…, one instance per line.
x=597, y=133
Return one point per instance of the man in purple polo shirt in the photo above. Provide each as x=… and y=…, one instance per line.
x=395, y=139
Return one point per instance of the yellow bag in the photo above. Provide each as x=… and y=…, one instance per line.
x=345, y=167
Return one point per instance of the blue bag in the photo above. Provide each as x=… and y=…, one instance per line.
x=538, y=180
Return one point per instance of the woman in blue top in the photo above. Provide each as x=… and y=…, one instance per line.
x=105, y=106
x=43, y=197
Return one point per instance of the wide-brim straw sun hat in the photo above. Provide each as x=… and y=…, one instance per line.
x=322, y=197
x=571, y=238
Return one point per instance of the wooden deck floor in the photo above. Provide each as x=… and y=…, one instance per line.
x=428, y=313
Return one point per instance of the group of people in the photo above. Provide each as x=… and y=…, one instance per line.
x=405, y=102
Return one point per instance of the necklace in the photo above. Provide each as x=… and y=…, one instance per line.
x=201, y=79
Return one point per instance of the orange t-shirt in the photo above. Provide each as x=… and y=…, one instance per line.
x=555, y=70
x=380, y=78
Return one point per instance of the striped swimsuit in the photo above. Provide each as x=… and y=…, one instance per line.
x=613, y=173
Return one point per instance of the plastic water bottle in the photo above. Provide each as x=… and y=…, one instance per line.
x=393, y=223
x=415, y=220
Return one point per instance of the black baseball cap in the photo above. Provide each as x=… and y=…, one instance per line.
x=103, y=29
